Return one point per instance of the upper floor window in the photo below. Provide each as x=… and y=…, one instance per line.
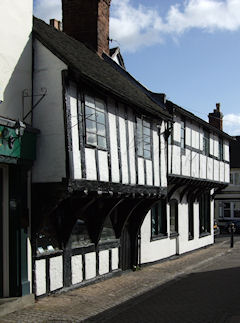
x=206, y=143
x=220, y=150
x=143, y=138
x=235, y=178
x=182, y=140
x=95, y=121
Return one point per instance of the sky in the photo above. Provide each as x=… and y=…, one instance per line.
x=188, y=49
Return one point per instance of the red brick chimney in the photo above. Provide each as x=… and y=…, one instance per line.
x=88, y=22
x=56, y=24
x=216, y=118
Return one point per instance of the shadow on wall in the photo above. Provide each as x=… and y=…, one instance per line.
x=14, y=106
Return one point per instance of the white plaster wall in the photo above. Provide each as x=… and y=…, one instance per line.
x=200, y=138
x=113, y=141
x=77, y=269
x=177, y=129
x=209, y=168
x=211, y=144
x=176, y=160
x=188, y=133
x=40, y=276
x=163, y=160
x=48, y=117
x=131, y=147
x=103, y=262
x=156, y=161
x=195, y=164
x=90, y=265
x=186, y=162
x=227, y=173
x=195, y=136
x=203, y=166
x=56, y=272
x=141, y=178
x=15, y=56
x=216, y=170
x=115, y=258
x=91, y=167
x=149, y=172
x=74, y=155
x=221, y=171
x=123, y=145
x=216, y=145
x=103, y=165
x=226, y=150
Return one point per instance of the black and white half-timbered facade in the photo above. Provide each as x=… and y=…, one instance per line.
x=101, y=163
x=122, y=177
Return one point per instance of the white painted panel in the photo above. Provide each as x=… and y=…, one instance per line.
x=103, y=262
x=90, y=265
x=51, y=140
x=176, y=160
x=221, y=171
x=131, y=147
x=227, y=173
x=40, y=276
x=115, y=258
x=56, y=272
x=75, y=156
x=169, y=158
x=226, y=150
x=203, y=166
x=188, y=133
x=141, y=178
x=113, y=141
x=163, y=160
x=177, y=129
x=209, y=168
x=186, y=158
x=77, y=269
x=216, y=170
x=195, y=164
x=216, y=145
x=123, y=145
x=201, y=138
x=90, y=160
x=156, y=158
x=149, y=172
x=103, y=165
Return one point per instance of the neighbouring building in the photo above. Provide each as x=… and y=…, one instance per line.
x=17, y=148
x=227, y=201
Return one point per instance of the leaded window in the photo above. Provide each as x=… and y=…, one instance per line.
x=204, y=213
x=159, y=219
x=182, y=134
x=95, y=122
x=220, y=149
x=144, y=138
x=173, y=216
x=206, y=143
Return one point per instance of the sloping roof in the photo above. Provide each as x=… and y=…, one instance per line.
x=192, y=116
x=93, y=69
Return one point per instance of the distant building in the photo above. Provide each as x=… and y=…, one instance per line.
x=227, y=202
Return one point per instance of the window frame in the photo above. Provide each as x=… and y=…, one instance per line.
x=140, y=138
x=190, y=219
x=183, y=135
x=220, y=149
x=204, y=214
x=161, y=231
x=206, y=143
x=103, y=111
x=173, y=205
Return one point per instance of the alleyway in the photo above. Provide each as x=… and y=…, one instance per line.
x=198, y=287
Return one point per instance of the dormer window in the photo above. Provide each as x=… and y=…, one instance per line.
x=95, y=122
x=144, y=138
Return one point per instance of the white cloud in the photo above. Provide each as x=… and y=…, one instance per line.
x=231, y=124
x=139, y=26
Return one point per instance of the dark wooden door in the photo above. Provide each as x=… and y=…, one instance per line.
x=125, y=249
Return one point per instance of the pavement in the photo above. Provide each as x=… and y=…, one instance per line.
x=201, y=286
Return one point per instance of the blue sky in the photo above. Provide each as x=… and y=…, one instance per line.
x=188, y=49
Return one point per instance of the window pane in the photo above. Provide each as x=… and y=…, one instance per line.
x=100, y=117
x=91, y=139
x=237, y=179
x=147, y=153
x=227, y=213
x=100, y=104
x=146, y=124
x=226, y=205
x=102, y=142
x=90, y=114
x=100, y=129
x=89, y=101
x=91, y=126
x=231, y=178
x=146, y=131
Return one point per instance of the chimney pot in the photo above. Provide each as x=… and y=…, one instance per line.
x=56, y=24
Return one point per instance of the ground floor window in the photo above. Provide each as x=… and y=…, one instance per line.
x=204, y=213
x=173, y=217
x=159, y=219
x=190, y=220
x=229, y=209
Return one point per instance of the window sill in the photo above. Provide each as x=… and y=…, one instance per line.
x=96, y=147
x=48, y=254
x=159, y=237
x=204, y=234
x=174, y=235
